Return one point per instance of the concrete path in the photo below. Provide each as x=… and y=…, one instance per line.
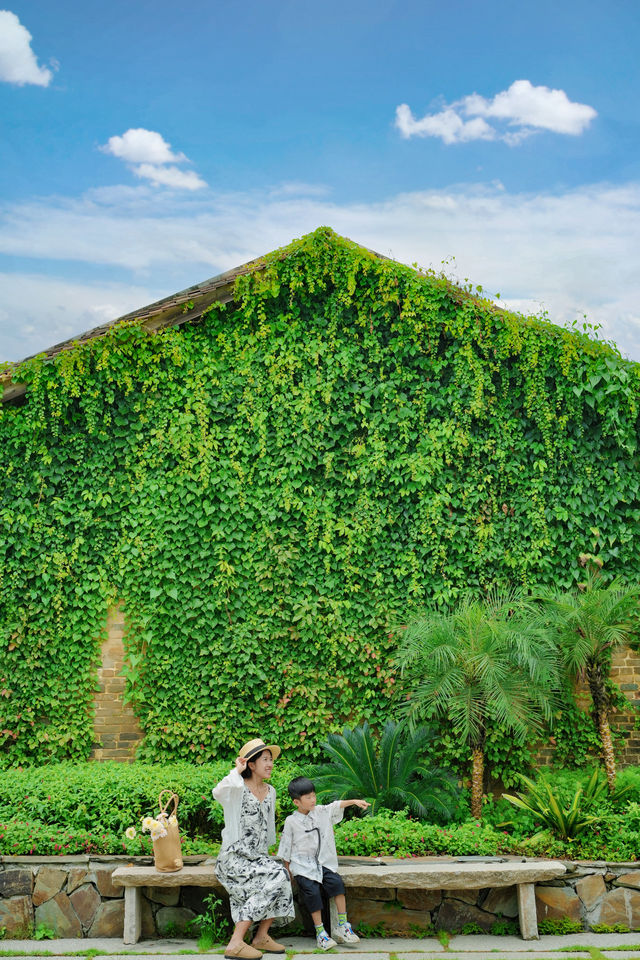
x=476, y=947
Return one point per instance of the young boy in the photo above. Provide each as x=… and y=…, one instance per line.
x=308, y=849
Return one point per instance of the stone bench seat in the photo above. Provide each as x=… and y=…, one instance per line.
x=424, y=874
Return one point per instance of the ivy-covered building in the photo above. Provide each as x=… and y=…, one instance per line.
x=267, y=471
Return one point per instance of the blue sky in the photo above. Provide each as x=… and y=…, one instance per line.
x=146, y=147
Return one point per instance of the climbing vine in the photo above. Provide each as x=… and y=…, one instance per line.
x=265, y=490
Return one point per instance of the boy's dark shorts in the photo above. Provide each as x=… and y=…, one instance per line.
x=311, y=890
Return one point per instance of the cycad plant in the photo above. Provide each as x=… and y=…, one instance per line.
x=592, y=622
x=390, y=776
x=484, y=662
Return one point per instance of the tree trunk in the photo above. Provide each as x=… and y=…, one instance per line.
x=477, y=780
x=601, y=711
x=607, y=749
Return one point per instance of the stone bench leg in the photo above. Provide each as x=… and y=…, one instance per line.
x=132, y=914
x=527, y=911
x=333, y=917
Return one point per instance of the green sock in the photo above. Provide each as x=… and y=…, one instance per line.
x=319, y=929
x=342, y=919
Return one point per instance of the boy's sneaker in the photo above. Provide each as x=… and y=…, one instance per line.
x=324, y=941
x=345, y=934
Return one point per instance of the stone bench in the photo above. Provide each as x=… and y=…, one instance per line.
x=134, y=878
x=434, y=874
x=462, y=874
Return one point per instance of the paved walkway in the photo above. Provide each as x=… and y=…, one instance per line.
x=621, y=946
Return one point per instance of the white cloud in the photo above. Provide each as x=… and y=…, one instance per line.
x=170, y=177
x=447, y=125
x=148, y=153
x=525, y=105
x=524, y=109
x=138, y=145
x=38, y=311
x=571, y=253
x=18, y=63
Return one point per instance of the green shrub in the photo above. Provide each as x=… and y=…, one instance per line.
x=389, y=774
x=395, y=835
x=566, y=821
x=33, y=838
x=504, y=928
x=561, y=925
x=106, y=798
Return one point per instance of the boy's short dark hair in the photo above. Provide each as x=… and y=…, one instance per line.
x=299, y=786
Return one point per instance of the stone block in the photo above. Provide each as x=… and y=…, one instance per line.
x=631, y=879
x=59, y=915
x=167, y=896
x=557, y=902
x=104, y=884
x=148, y=924
x=49, y=881
x=75, y=878
x=16, y=882
x=455, y=914
x=501, y=901
x=109, y=920
x=173, y=919
x=85, y=901
x=467, y=896
x=591, y=890
x=620, y=905
x=16, y=916
x=390, y=914
x=419, y=899
x=371, y=893
x=193, y=898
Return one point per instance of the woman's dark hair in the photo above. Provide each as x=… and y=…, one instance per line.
x=246, y=773
x=300, y=786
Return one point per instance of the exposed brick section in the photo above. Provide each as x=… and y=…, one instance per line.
x=116, y=730
x=625, y=673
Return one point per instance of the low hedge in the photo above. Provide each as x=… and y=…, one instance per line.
x=396, y=835
x=65, y=809
x=103, y=799
x=34, y=838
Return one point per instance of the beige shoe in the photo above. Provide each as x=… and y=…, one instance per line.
x=245, y=952
x=268, y=945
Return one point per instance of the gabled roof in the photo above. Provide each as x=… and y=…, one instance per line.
x=169, y=312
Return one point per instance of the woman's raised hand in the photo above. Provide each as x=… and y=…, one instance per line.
x=241, y=764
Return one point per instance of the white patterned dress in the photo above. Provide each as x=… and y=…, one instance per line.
x=258, y=886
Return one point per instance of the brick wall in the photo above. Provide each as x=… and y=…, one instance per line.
x=116, y=730
x=625, y=673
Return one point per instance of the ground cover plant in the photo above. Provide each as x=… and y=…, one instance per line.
x=346, y=440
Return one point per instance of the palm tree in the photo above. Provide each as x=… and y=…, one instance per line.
x=391, y=776
x=592, y=622
x=481, y=663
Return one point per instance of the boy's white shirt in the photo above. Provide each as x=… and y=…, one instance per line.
x=307, y=842
x=229, y=793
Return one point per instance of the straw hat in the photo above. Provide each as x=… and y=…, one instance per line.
x=254, y=747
